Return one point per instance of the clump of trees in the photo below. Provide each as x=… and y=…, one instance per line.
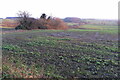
x=44, y=22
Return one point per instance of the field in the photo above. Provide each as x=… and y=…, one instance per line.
x=88, y=52
x=8, y=23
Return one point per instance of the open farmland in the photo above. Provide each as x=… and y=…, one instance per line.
x=90, y=52
x=8, y=23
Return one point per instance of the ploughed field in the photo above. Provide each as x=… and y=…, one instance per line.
x=91, y=52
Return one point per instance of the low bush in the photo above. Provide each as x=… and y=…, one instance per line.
x=27, y=23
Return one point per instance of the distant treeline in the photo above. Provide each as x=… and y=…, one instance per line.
x=57, y=23
x=91, y=21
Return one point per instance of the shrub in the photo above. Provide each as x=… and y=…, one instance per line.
x=43, y=22
x=56, y=23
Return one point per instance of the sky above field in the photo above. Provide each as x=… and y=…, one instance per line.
x=101, y=9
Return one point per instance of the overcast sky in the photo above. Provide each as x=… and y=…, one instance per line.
x=102, y=9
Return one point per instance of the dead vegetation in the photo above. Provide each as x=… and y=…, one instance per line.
x=44, y=22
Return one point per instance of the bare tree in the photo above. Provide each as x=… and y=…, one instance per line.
x=24, y=20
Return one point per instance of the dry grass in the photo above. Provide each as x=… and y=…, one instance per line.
x=22, y=71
